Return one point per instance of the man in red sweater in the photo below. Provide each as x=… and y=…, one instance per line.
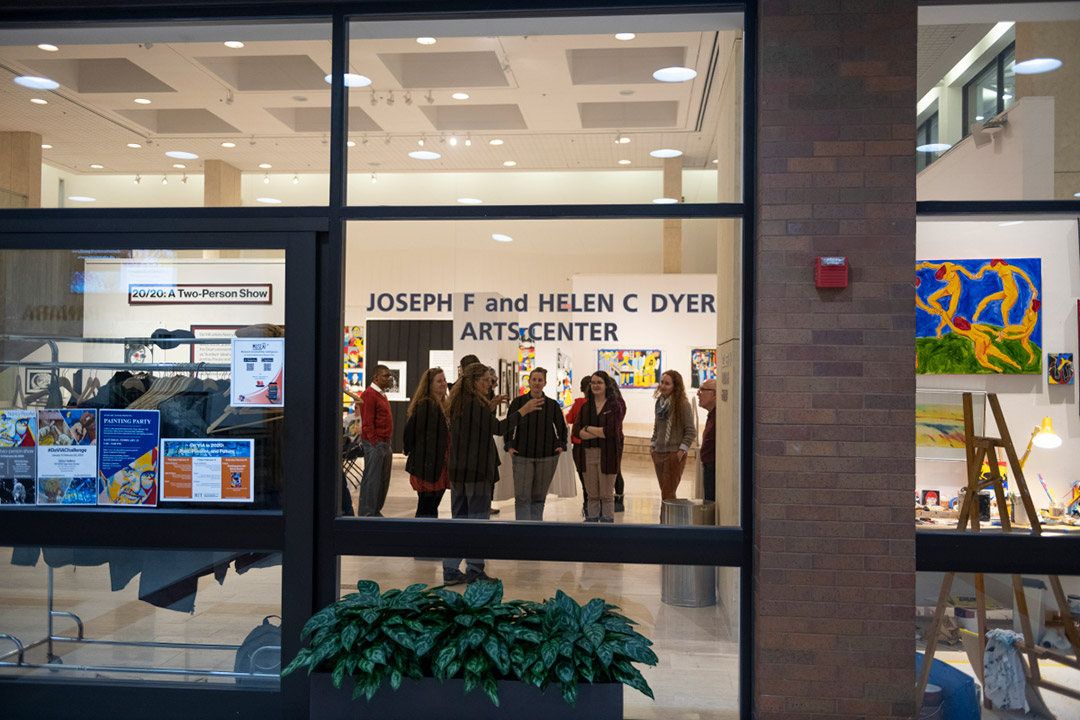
x=376, y=430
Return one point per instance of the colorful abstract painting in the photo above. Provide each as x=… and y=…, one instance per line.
x=978, y=316
x=1059, y=368
x=702, y=366
x=354, y=361
x=564, y=379
x=939, y=423
x=526, y=364
x=631, y=368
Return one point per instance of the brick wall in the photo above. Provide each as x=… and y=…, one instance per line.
x=835, y=375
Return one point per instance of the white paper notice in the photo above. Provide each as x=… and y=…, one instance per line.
x=258, y=372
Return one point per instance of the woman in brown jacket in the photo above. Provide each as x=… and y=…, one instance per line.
x=673, y=432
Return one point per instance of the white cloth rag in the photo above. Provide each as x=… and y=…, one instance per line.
x=1003, y=673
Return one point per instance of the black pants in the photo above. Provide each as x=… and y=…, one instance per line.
x=427, y=503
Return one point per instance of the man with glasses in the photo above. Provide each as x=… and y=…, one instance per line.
x=376, y=431
x=706, y=396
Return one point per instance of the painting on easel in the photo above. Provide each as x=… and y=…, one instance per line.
x=976, y=317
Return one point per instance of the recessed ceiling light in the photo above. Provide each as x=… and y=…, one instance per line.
x=460, y=96
x=426, y=40
x=142, y=101
x=46, y=146
x=496, y=141
x=268, y=201
x=1006, y=96
x=37, y=83
x=47, y=47
x=181, y=155
x=933, y=147
x=666, y=153
x=97, y=167
x=624, y=162
x=134, y=145
x=501, y=238
x=352, y=80
x=265, y=166
x=470, y=201
x=39, y=101
x=228, y=144
x=1014, y=222
x=425, y=155
x=509, y=163
x=81, y=198
x=1036, y=66
x=350, y=143
x=716, y=161
x=234, y=44
x=625, y=36
x=1076, y=194
x=675, y=74
x=665, y=201
x=180, y=166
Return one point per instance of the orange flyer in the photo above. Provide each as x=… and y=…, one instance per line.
x=201, y=470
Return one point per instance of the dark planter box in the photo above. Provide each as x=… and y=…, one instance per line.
x=430, y=698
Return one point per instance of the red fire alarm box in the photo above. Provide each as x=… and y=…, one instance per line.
x=830, y=272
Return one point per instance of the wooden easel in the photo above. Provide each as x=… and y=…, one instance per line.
x=978, y=449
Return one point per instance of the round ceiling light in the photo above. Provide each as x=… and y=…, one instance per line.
x=46, y=146
x=181, y=155
x=352, y=80
x=625, y=36
x=501, y=238
x=37, y=83
x=510, y=163
x=470, y=201
x=624, y=162
x=665, y=201
x=234, y=44
x=268, y=201
x=425, y=155
x=47, y=47
x=1036, y=66
x=460, y=96
x=134, y=145
x=622, y=140
x=81, y=198
x=426, y=40
x=228, y=144
x=933, y=147
x=675, y=74
x=265, y=166
x=496, y=141
x=39, y=101
x=98, y=167
x=665, y=153
x=142, y=101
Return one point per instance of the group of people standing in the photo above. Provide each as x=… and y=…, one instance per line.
x=449, y=441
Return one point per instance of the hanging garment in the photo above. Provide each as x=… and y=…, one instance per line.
x=1004, y=680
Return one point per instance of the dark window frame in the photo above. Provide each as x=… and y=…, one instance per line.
x=997, y=62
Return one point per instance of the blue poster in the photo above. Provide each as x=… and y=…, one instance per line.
x=128, y=457
x=67, y=457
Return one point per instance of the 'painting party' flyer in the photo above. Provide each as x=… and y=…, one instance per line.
x=128, y=457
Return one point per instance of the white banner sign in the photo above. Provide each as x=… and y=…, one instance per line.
x=217, y=294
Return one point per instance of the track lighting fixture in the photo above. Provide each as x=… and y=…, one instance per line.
x=387, y=139
x=420, y=142
x=374, y=99
x=453, y=141
x=374, y=179
x=137, y=180
x=295, y=179
x=408, y=98
x=429, y=97
x=183, y=180
x=164, y=180
x=266, y=179
x=468, y=141
x=390, y=98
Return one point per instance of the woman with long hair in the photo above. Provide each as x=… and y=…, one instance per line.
x=571, y=417
x=427, y=442
x=599, y=427
x=673, y=432
x=474, y=457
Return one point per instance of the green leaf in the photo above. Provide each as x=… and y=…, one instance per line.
x=415, y=625
x=570, y=693
x=496, y=650
x=566, y=648
x=366, y=666
x=466, y=620
x=592, y=611
x=474, y=636
x=370, y=616
x=324, y=618
x=453, y=668
x=299, y=661
x=634, y=679
x=549, y=652
x=594, y=633
x=395, y=679
x=585, y=669
x=564, y=671
x=375, y=655
x=444, y=658
x=605, y=654
x=369, y=593
x=491, y=689
x=529, y=635
x=323, y=652
x=479, y=594
x=639, y=652
x=471, y=682
x=477, y=664
x=401, y=636
x=348, y=636
x=339, y=674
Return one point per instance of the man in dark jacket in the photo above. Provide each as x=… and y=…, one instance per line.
x=535, y=446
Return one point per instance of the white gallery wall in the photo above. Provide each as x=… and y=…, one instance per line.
x=1025, y=399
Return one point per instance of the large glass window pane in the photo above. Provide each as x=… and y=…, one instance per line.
x=546, y=110
x=959, y=678
x=128, y=355
x=690, y=614
x=634, y=298
x=178, y=115
x=124, y=614
x=996, y=313
x=1005, y=82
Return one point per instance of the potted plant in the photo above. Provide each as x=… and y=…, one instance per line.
x=448, y=644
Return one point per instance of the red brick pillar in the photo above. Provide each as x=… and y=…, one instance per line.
x=835, y=369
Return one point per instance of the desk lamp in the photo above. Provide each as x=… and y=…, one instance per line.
x=1042, y=436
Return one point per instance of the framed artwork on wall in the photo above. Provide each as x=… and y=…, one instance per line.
x=399, y=370
x=978, y=317
x=939, y=423
x=1059, y=368
x=631, y=368
x=354, y=360
x=702, y=366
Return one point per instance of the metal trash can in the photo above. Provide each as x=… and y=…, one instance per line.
x=688, y=585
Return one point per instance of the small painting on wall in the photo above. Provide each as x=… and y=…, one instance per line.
x=1059, y=368
x=702, y=366
x=978, y=316
x=631, y=368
